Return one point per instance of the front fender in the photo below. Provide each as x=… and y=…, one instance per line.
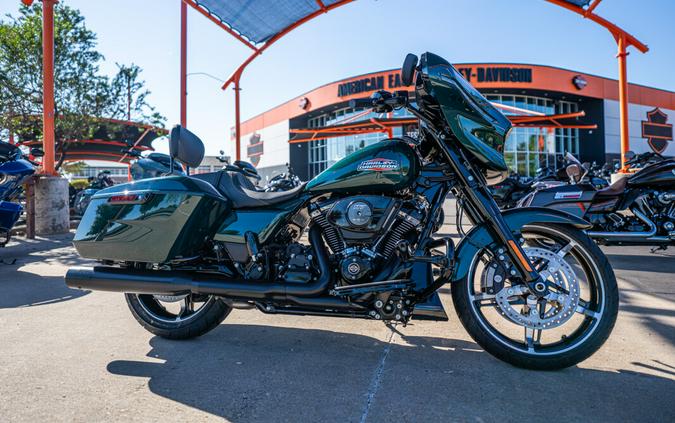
x=479, y=237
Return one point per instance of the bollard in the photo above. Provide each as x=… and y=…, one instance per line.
x=52, y=215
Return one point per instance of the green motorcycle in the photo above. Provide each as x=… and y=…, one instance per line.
x=528, y=284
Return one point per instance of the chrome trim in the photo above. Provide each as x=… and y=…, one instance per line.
x=628, y=235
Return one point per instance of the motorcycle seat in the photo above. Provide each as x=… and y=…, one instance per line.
x=238, y=189
x=614, y=190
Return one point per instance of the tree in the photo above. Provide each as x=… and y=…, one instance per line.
x=82, y=93
x=128, y=97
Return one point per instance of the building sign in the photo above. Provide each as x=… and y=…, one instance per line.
x=475, y=74
x=657, y=131
x=304, y=103
x=254, y=149
x=496, y=74
x=361, y=86
x=579, y=82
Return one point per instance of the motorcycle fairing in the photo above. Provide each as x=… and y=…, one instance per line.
x=9, y=214
x=478, y=125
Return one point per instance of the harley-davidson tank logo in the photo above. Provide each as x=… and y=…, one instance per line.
x=379, y=165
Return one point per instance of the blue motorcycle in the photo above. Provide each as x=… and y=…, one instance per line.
x=14, y=170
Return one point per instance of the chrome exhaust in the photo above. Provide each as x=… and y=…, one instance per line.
x=628, y=236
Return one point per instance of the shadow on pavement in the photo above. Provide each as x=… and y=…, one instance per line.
x=22, y=289
x=22, y=285
x=258, y=373
x=659, y=262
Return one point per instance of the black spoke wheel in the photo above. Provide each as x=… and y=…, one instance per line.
x=178, y=317
x=562, y=329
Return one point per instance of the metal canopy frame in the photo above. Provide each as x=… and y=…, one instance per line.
x=257, y=51
x=622, y=37
x=623, y=41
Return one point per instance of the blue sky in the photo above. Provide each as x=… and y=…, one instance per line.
x=365, y=36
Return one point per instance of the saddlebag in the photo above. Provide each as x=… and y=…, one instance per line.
x=151, y=220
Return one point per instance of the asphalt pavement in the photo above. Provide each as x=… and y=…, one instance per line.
x=77, y=356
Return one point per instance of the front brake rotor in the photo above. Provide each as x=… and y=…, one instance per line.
x=558, y=305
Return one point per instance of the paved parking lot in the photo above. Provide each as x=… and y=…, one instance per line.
x=68, y=355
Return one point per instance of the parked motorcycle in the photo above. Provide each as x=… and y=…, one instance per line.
x=15, y=168
x=83, y=197
x=185, y=250
x=153, y=165
x=648, y=194
x=283, y=181
x=511, y=190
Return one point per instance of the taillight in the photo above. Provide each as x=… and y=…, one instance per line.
x=128, y=198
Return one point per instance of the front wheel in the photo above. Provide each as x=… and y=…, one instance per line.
x=177, y=317
x=562, y=328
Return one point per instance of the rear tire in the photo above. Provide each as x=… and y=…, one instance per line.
x=582, y=342
x=150, y=313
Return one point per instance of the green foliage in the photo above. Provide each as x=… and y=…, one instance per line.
x=73, y=168
x=79, y=183
x=82, y=93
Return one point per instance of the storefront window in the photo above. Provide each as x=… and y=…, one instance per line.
x=525, y=151
x=528, y=149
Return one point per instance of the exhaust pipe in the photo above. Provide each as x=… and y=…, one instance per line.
x=628, y=236
x=113, y=279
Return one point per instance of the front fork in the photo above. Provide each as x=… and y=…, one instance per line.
x=484, y=210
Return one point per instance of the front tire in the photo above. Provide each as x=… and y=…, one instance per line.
x=177, y=317
x=574, y=334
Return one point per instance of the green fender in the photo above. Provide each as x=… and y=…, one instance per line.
x=479, y=237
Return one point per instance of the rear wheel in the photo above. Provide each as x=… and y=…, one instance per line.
x=178, y=317
x=563, y=328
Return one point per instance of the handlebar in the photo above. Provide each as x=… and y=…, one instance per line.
x=644, y=158
x=382, y=101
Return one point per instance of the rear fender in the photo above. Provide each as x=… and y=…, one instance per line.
x=479, y=237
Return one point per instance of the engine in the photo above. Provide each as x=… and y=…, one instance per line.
x=653, y=213
x=363, y=232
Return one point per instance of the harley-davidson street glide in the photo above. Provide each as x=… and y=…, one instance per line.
x=528, y=284
x=648, y=194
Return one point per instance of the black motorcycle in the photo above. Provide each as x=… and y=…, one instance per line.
x=283, y=181
x=528, y=284
x=648, y=194
x=80, y=199
x=511, y=190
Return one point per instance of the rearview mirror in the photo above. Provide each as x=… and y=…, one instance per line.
x=574, y=172
x=408, y=69
x=629, y=154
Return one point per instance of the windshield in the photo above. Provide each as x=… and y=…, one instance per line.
x=476, y=123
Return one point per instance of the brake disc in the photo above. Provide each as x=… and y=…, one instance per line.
x=560, y=303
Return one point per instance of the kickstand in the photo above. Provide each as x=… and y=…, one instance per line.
x=658, y=248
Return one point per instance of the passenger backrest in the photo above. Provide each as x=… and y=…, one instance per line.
x=185, y=146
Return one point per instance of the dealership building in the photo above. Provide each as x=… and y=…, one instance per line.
x=554, y=111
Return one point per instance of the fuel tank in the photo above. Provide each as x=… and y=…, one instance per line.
x=656, y=175
x=383, y=167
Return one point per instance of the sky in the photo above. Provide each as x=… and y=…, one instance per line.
x=361, y=37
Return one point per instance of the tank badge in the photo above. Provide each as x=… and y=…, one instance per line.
x=378, y=165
